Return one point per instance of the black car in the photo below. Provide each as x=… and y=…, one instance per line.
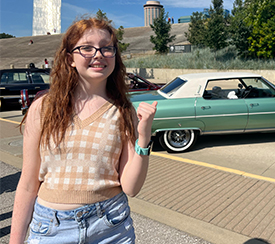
x=14, y=81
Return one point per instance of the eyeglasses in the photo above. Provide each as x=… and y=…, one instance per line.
x=87, y=51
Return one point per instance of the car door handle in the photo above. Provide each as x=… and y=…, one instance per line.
x=205, y=107
x=254, y=105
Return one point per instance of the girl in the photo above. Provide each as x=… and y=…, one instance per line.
x=80, y=154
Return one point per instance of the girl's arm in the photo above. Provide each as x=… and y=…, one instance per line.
x=133, y=167
x=28, y=185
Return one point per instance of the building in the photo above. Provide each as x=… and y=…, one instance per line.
x=205, y=13
x=184, y=19
x=46, y=17
x=151, y=11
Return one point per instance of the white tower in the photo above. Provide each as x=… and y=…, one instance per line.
x=46, y=17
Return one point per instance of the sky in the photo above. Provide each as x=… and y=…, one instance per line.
x=16, y=15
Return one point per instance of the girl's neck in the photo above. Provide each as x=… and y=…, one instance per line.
x=84, y=108
x=90, y=92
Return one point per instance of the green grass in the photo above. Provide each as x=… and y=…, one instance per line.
x=200, y=59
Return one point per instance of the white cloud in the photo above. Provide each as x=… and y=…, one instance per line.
x=72, y=11
x=74, y=8
x=123, y=20
x=227, y=4
x=129, y=2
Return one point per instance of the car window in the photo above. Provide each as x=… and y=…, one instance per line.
x=173, y=86
x=223, y=89
x=40, y=77
x=256, y=82
x=238, y=89
x=257, y=87
x=14, y=77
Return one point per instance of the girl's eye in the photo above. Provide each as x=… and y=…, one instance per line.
x=108, y=49
x=87, y=48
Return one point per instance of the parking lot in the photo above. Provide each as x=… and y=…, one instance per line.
x=222, y=190
x=252, y=153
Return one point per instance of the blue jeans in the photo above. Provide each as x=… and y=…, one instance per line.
x=103, y=222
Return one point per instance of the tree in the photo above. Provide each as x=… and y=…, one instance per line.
x=196, y=30
x=261, y=15
x=4, y=35
x=101, y=15
x=239, y=30
x=122, y=46
x=120, y=31
x=216, y=32
x=162, y=30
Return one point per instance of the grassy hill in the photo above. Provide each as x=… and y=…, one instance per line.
x=16, y=51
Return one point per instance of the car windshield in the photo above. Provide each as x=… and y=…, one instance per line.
x=173, y=86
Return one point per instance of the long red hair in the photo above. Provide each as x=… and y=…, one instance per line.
x=58, y=103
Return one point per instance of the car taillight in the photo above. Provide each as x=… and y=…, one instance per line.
x=25, y=101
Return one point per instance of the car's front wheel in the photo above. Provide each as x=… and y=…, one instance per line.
x=178, y=140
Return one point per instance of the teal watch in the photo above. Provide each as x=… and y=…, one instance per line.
x=143, y=151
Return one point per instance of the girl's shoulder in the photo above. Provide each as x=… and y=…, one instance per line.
x=36, y=108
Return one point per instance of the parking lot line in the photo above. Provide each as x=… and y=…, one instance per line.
x=225, y=169
x=10, y=121
x=185, y=160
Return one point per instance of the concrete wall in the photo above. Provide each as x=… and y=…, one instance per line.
x=166, y=75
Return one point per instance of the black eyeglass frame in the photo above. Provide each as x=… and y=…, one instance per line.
x=96, y=49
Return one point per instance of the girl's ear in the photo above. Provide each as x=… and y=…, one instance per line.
x=71, y=60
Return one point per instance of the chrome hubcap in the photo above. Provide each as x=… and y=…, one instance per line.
x=179, y=138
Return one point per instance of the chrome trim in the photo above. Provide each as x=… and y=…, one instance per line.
x=172, y=129
x=186, y=117
x=223, y=132
x=218, y=132
x=216, y=115
x=259, y=130
x=262, y=113
x=237, y=131
x=221, y=115
x=14, y=96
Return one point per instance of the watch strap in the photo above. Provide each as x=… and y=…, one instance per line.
x=143, y=151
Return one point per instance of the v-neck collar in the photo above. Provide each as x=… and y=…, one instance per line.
x=83, y=123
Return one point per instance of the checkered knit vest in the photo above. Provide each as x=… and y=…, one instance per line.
x=84, y=168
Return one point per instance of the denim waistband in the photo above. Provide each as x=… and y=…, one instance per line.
x=80, y=212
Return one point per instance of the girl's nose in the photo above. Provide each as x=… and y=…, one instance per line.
x=98, y=54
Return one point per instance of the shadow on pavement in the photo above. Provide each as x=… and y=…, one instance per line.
x=9, y=183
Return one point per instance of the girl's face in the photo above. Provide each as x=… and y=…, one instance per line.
x=97, y=68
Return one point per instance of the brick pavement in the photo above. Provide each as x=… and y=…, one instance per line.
x=239, y=204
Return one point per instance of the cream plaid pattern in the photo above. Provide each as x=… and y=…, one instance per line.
x=87, y=160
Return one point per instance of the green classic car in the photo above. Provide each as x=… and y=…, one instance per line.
x=210, y=103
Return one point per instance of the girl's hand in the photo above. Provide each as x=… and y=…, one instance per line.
x=145, y=114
